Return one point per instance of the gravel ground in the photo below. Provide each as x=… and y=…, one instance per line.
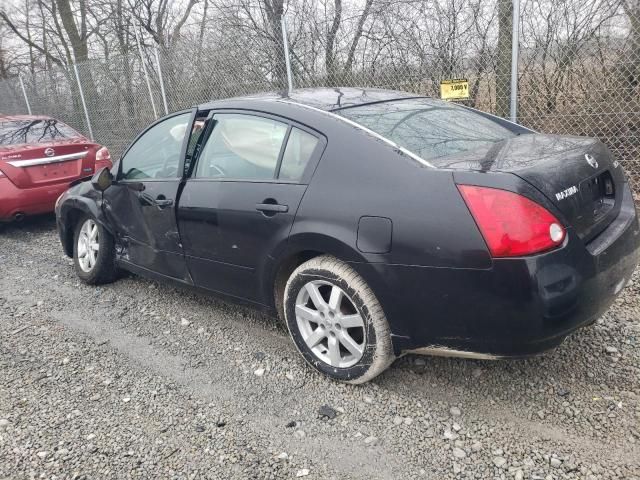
x=137, y=379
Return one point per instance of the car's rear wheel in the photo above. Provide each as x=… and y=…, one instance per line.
x=93, y=252
x=336, y=321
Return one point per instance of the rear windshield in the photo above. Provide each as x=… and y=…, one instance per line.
x=429, y=128
x=14, y=132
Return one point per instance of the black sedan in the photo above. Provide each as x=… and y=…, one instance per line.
x=373, y=222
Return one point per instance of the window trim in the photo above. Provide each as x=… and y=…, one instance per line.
x=283, y=147
x=201, y=139
x=311, y=164
x=183, y=149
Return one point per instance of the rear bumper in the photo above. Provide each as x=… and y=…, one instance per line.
x=27, y=201
x=518, y=307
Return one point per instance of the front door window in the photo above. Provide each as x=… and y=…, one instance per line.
x=156, y=154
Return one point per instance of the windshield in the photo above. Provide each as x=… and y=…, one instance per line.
x=14, y=132
x=429, y=128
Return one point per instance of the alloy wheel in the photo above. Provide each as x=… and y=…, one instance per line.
x=330, y=324
x=88, y=245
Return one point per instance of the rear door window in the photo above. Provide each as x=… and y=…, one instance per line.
x=17, y=132
x=242, y=147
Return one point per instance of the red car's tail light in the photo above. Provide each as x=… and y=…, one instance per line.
x=512, y=225
x=103, y=155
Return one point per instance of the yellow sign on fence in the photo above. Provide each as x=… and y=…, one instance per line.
x=456, y=89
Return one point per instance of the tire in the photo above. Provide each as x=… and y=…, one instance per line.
x=350, y=319
x=103, y=269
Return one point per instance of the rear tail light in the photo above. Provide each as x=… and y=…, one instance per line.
x=512, y=225
x=103, y=155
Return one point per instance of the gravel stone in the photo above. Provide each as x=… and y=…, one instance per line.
x=326, y=412
x=455, y=411
x=371, y=440
x=449, y=435
x=555, y=462
x=459, y=453
x=499, y=461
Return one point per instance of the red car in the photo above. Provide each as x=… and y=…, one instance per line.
x=39, y=157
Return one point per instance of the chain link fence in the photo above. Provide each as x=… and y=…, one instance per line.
x=583, y=80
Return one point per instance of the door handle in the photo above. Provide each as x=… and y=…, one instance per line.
x=161, y=201
x=272, y=208
x=146, y=199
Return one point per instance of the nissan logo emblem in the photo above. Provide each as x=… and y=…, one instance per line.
x=591, y=160
x=49, y=152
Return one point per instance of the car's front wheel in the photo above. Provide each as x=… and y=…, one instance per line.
x=336, y=321
x=93, y=252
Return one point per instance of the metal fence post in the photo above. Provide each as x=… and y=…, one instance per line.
x=515, y=49
x=24, y=92
x=84, y=104
x=285, y=42
x=164, y=96
x=146, y=74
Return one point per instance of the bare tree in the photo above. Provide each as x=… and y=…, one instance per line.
x=162, y=19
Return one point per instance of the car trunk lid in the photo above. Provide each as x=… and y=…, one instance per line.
x=30, y=165
x=577, y=174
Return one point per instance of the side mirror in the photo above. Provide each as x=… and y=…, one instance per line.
x=102, y=179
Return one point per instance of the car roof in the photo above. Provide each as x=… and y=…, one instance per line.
x=14, y=118
x=328, y=99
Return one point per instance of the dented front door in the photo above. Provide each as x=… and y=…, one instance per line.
x=141, y=205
